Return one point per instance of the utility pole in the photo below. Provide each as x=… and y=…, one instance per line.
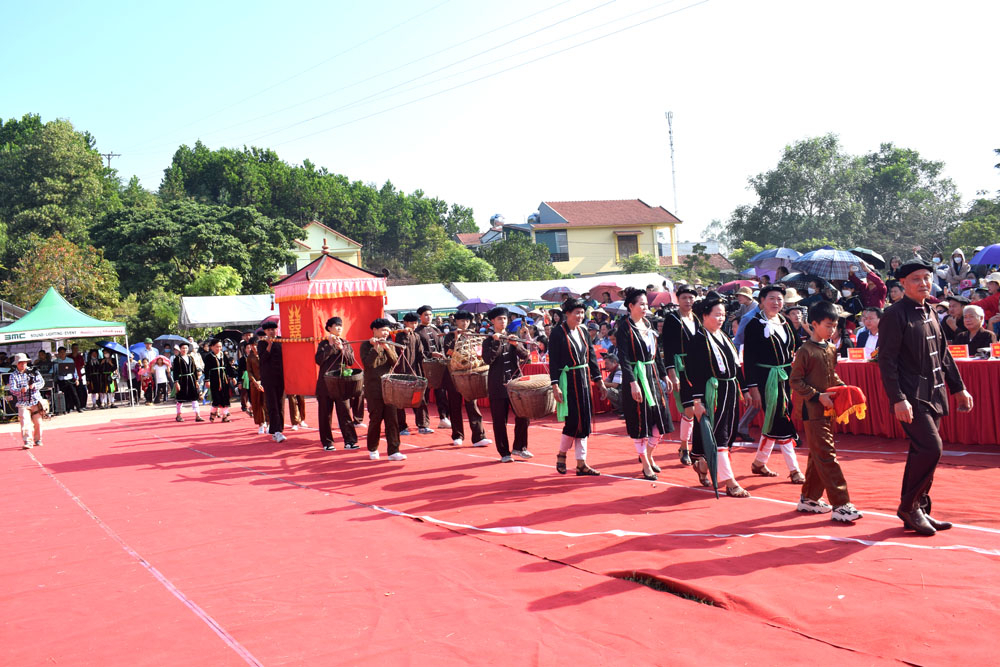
x=108, y=156
x=673, y=169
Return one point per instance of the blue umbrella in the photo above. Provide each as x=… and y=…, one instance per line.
x=476, y=305
x=615, y=308
x=749, y=273
x=988, y=255
x=171, y=339
x=827, y=263
x=772, y=258
x=517, y=310
x=117, y=348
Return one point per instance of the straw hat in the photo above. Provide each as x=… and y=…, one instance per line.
x=19, y=357
x=792, y=296
x=745, y=291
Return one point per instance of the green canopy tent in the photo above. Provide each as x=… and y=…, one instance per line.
x=54, y=318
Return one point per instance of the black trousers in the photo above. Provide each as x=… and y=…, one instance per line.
x=455, y=401
x=499, y=411
x=274, y=399
x=72, y=397
x=344, y=418
x=440, y=399
x=420, y=416
x=921, y=461
x=379, y=412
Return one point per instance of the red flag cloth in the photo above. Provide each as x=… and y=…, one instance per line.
x=847, y=400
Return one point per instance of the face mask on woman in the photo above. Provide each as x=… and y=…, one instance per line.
x=811, y=290
x=847, y=293
x=937, y=260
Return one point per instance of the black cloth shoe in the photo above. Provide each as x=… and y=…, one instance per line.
x=352, y=445
x=916, y=521
x=329, y=447
x=938, y=525
x=685, y=457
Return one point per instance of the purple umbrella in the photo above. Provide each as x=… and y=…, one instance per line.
x=556, y=294
x=476, y=305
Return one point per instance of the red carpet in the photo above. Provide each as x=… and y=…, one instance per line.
x=261, y=553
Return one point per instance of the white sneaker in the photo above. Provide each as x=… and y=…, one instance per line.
x=295, y=427
x=262, y=430
x=523, y=453
x=846, y=513
x=483, y=443
x=506, y=459
x=27, y=445
x=279, y=437
x=813, y=506
x=373, y=455
x=457, y=442
x=398, y=456
x=38, y=443
x=444, y=423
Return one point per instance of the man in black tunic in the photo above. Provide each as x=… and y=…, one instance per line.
x=916, y=368
x=334, y=354
x=272, y=376
x=432, y=347
x=504, y=358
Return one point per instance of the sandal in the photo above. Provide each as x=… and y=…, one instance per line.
x=652, y=465
x=226, y=419
x=685, y=456
x=737, y=492
x=561, y=463
x=702, y=476
x=586, y=470
x=797, y=477
x=762, y=470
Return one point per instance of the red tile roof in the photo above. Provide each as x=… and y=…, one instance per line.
x=715, y=259
x=614, y=212
x=471, y=238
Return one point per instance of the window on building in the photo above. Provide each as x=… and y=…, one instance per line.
x=627, y=246
x=291, y=268
x=557, y=244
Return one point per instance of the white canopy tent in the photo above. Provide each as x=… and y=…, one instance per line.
x=411, y=297
x=531, y=290
x=201, y=312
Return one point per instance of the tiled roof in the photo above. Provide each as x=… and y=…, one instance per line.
x=471, y=238
x=614, y=212
x=715, y=259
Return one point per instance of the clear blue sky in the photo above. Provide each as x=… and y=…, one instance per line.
x=319, y=80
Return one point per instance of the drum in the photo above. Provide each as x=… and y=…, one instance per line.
x=343, y=387
x=531, y=396
x=434, y=370
x=403, y=391
x=471, y=384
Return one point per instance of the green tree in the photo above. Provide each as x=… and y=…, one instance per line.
x=459, y=221
x=158, y=313
x=744, y=251
x=696, y=266
x=217, y=281
x=517, y=257
x=454, y=263
x=80, y=273
x=641, y=263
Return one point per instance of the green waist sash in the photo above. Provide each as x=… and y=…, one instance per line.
x=712, y=397
x=562, y=409
x=776, y=374
x=678, y=370
x=639, y=370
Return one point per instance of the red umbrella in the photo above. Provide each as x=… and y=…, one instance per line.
x=661, y=299
x=735, y=285
x=613, y=288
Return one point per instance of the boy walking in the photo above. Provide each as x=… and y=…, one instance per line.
x=813, y=373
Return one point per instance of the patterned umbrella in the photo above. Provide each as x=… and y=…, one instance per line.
x=800, y=281
x=870, y=256
x=615, y=308
x=476, y=305
x=556, y=294
x=827, y=262
x=772, y=258
x=988, y=255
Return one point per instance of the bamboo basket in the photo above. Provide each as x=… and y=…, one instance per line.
x=434, y=370
x=472, y=383
x=343, y=387
x=531, y=396
x=403, y=391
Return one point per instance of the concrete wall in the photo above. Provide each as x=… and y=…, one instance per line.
x=594, y=250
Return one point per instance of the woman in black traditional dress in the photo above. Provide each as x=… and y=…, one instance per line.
x=217, y=368
x=572, y=365
x=768, y=348
x=712, y=392
x=678, y=328
x=95, y=378
x=109, y=375
x=644, y=401
x=186, y=382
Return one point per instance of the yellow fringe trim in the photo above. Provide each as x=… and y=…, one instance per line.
x=859, y=411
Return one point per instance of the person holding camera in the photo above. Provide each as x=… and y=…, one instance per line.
x=25, y=385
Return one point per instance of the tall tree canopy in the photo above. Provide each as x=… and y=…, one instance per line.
x=890, y=199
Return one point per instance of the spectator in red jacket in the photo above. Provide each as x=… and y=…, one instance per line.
x=871, y=289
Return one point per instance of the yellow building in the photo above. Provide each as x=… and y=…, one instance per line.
x=588, y=238
x=311, y=247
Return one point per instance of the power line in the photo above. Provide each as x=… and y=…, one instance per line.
x=458, y=62
x=488, y=76
x=298, y=74
x=393, y=69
